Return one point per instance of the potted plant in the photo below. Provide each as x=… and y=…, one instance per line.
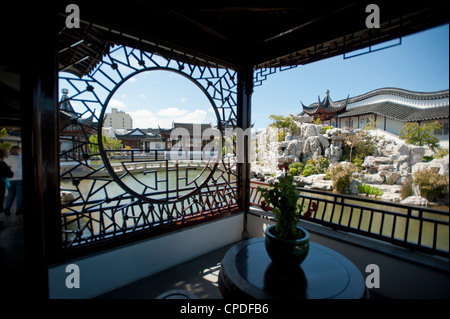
x=286, y=242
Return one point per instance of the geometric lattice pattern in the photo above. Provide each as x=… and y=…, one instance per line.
x=99, y=202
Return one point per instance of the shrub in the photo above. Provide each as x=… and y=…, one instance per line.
x=324, y=163
x=307, y=172
x=441, y=152
x=326, y=128
x=431, y=184
x=358, y=146
x=298, y=166
x=311, y=168
x=367, y=189
x=316, y=167
x=406, y=189
x=281, y=136
x=341, y=176
x=293, y=171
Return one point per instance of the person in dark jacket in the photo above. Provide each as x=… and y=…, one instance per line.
x=5, y=173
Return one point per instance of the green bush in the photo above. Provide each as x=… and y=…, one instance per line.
x=316, y=167
x=298, y=166
x=306, y=172
x=431, y=184
x=367, y=189
x=341, y=176
x=441, y=152
x=293, y=171
x=324, y=163
x=326, y=128
x=311, y=168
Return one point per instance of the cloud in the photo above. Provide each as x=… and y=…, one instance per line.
x=144, y=119
x=172, y=112
x=117, y=104
x=198, y=116
x=142, y=96
x=147, y=119
x=183, y=99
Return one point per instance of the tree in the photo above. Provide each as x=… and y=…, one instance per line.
x=361, y=143
x=286, y=123
x=415, y=134
x=108, y=144
x=371, y=125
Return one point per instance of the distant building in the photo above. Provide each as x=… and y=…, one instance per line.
x=159, y=138
x=391, y=108
x=118, y=120
x=139, y=140
x=74, y=131
x=196, y=134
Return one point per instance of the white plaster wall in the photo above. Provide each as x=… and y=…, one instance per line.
x=114, y=268
x=393, y=126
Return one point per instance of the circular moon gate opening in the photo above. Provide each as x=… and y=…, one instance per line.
x=174, y=150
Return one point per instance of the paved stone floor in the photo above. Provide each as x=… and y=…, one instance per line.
x=198, y=276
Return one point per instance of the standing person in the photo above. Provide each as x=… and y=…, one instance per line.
x=5, y=174
x=15, y=190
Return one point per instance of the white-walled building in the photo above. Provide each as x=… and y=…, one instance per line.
x=391, y=108
x=118, y=120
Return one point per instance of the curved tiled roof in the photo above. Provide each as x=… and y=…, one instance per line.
x=391, y=109
x=325, y=106
x=400, y=112
x=401, y=93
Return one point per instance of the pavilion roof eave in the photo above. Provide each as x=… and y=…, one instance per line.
x=214, y=33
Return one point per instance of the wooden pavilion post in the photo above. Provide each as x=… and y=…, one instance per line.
x=244, y=96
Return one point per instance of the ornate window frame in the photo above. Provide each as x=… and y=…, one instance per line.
x=94, y=213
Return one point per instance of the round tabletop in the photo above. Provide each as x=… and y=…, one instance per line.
x=248, y=272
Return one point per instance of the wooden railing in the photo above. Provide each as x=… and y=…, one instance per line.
x=416, y=228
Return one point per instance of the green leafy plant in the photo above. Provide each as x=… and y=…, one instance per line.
x=441, y=152
x=309, y=169
x=370, y=190
x=299, y=166
x=326, y=128
x=281, y=136
x=282, y=198
x=317, y=121
x=431, y=184
x=313, y=166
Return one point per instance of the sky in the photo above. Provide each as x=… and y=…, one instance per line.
x=157, y=98
x=420, y=63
